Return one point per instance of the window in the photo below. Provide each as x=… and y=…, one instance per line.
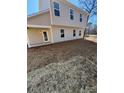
x=62, y=33
x=74, y=33
x=45, y=36
x=56, y=9
x=80, y=33
x=71, y=14
x=81, y=18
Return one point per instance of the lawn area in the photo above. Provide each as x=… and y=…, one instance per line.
x=68, y=67
x=41, y=56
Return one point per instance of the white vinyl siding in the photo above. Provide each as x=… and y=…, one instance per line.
x=67, y=17
x=68, y=34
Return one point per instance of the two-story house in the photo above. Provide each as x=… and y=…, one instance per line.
x=56, y=21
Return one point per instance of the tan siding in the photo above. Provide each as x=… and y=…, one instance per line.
x=35, y=36
x=64, y=18
x=68, y=33
x=44, y=4
x=42, y=19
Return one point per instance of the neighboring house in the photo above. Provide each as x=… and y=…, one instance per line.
x=56, y=21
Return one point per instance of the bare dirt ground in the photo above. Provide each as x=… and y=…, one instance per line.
x=41, y=56
x=68, y=67
x=92, y=38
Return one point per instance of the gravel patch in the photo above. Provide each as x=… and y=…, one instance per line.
x=77, y=75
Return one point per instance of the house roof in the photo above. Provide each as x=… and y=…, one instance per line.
x=38, y=26
x=47, y=10
x=38, y=13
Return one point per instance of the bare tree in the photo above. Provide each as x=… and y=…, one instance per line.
x=90, y=6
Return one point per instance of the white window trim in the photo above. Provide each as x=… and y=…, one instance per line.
x=56, y=8
x=44, y=37
x=75, y=33
x=61, y=33
x=81, y=17
x=79, y=33
x=70, y=13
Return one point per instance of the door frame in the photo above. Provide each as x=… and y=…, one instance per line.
x=44, y=37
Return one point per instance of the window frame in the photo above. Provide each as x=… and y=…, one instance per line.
x=71, y=15
x=62, y=33
x=74, y=33
x=56, y=9
x=81, y=18
x=80, y=32
x=44, y=37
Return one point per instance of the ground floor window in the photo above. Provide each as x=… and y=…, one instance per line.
x=62, y=33
x=74, y=33
x=80, y=33
x=45, y=36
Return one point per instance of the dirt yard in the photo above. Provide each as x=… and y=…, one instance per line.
x=68, y=67
x=41, y=56
x=92, y=38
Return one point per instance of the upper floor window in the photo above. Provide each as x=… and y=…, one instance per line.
x=62, y=33
x=56, y=9
x=74, y=33
x=71, y=14
x=80, y=33
x=81, y=18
